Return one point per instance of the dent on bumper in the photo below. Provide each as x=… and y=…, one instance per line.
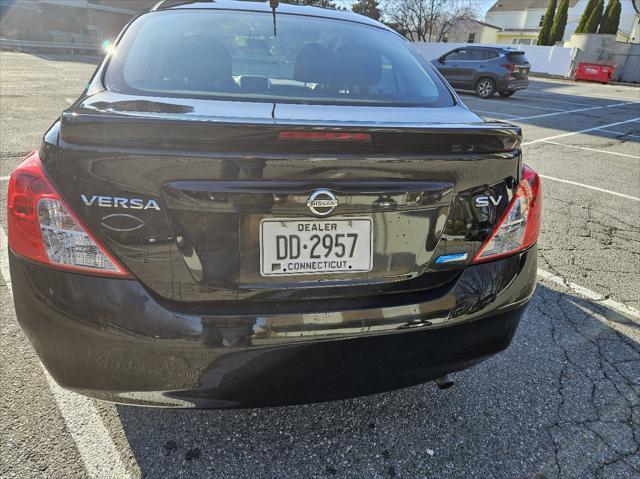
x=111, y=339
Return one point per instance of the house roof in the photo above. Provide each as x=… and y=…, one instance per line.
x=466, y=22
x=520, y=5
x=486, y=24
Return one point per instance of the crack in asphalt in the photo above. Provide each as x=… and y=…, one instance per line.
x=599, y=243
x=623, y=137
x=606, y=369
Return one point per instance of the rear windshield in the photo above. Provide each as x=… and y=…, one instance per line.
x=517, y=58
x=236, y=56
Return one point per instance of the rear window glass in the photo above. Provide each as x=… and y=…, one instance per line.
x=235, y=55
x=517, y=58
x=457, y=55
x=488, y=54
x=478, y=55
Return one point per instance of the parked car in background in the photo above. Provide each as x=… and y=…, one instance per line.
x=230, y=217
x=487, y=70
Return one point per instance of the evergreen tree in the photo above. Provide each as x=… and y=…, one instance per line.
x=615, y=16
x=605, y=17
x=368, y=8
x=611, y=18
x=594, y=19
x=559, y=23
x=543, y=36
x=584, y=19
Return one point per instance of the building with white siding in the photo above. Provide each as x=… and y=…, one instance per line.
x=521, y=20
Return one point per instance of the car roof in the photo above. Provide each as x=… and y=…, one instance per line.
x=479, y=47
x=251, y=6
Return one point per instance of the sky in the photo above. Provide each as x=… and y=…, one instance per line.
x=481, y=5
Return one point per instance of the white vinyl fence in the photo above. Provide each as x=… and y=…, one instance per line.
x=549, y=60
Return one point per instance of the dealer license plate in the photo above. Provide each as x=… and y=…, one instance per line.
x=294, y=247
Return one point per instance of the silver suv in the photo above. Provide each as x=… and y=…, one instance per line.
x=486, y=70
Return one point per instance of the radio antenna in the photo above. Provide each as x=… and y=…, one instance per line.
x=274, y=4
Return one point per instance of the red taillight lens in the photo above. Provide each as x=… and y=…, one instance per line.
x=42, y=228
x=531, y=182
x=519, y=227
x=321, y=135
x=510, y=66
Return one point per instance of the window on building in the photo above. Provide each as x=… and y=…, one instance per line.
x=472, y=38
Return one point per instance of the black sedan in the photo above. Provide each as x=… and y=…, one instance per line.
x=252, y=207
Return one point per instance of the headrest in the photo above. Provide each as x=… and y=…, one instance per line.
x=359, y=65
x=313, y=64
x=203, y=60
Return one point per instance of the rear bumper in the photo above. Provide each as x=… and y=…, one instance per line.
x=111, y=339
x=513, y=85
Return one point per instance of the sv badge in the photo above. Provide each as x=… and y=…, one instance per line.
x=488, y=200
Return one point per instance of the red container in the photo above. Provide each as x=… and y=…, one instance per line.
x=595, y=72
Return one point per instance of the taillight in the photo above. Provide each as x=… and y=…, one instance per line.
x=42, y=228
x=510, y=66
x=323, y=135
x=519, y=227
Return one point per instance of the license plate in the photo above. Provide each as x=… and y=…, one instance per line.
x=295, y=247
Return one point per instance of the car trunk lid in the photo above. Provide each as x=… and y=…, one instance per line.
x=180, y=193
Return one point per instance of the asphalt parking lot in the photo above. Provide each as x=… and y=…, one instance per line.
x=562, y=401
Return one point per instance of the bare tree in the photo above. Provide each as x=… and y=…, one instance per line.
x=427, y=20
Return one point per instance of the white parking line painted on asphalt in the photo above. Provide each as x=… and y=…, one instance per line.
x=4, y=178
x=567, y=112
x=586, y=130
x=495, y=113
x=616, y=98
x=93, y=441
x=595, y=188
x=593, y=149
x=540, y=98
x=542, y=92
x=4, y=260
x=619, y=133
x=520, y=105
x=527, y=106
x=621, y=308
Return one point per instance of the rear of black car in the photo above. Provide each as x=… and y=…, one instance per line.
x=234, y=215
